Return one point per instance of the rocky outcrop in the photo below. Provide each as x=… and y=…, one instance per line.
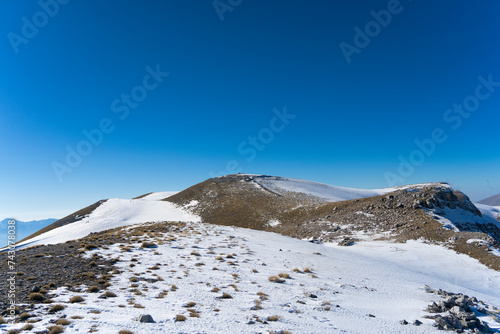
x=457, y=312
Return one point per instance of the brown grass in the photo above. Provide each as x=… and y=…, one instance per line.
x=109, y=294
x=225, y=296
x=56, y=308
x=76, y=299
x=24, y=316
x=63, y=322
x=180, y=317
x=147, y=244
x=93, y=289
x=276, y=279
x=284, y=275
x=55, y=329
x=36, y=296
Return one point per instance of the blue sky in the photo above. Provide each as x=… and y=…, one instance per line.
x=353, y=116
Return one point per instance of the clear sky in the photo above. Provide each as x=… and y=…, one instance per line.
x=106, y=99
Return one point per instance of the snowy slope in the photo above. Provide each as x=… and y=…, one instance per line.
x=114, y=213
x=366, y=288
x=489, y=211
x=324, y=191
x=159, y=195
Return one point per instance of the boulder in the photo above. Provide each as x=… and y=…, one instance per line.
x=146, y=318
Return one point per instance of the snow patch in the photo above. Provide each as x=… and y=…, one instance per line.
x=273, y=223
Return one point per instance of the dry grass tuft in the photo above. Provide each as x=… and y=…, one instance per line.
x=180, y=317
x=24, y=316
x=225, y=296
x=284, y=275
x=147, y=244
x=63, y=322
x=190, y=304
x=56, y=308
x=93, y=289
x=36, y=296
x=55, y=329
x=273, y=318
x=276, y=279
x=90, y=247
x=262, y=295
x=76, y=299
x=109, y=294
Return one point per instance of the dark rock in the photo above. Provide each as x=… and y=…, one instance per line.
x=146, y=318
x=36, y=288
x=346, y=242
x=483, y=327
x=448, y=322
x=434, y=308
x=403, y=322
x=417, y=323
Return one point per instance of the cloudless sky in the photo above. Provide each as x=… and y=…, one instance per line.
x=353, y=121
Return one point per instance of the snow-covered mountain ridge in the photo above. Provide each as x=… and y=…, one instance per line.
x=255, y=254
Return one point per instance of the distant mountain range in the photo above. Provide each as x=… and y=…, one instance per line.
x=493, y=200
x=23, y=228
